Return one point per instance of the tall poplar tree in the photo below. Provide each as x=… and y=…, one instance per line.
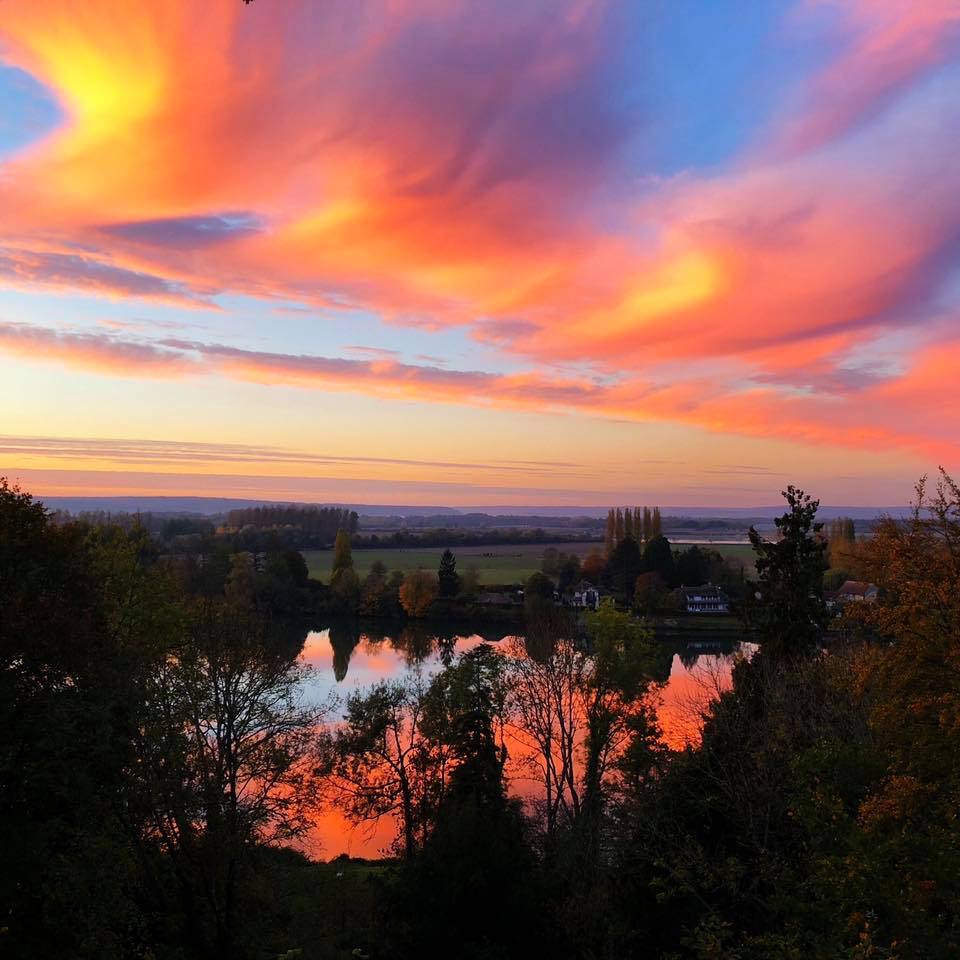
x=342, y=554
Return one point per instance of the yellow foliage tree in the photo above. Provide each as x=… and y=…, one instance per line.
x=418, y=590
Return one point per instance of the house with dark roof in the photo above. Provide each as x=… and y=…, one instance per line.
x=857, y=590
x=704, y=599
x=585, y=596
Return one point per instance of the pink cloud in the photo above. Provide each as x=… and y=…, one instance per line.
x=873, y=413
x=888, y=44
x=445, y=169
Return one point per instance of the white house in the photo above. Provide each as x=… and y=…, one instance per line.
x=705, y=599
x=586, y=596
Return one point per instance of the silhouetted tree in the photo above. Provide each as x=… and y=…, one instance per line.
x=787, y=608
x=610, y=535
x=569, y=572
x=447, y=577
x=658, y=558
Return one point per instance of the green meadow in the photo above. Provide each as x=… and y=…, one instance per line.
x=495, y=564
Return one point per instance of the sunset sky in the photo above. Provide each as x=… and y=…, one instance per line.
x=480, y=252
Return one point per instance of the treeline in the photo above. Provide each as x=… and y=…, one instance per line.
x=156, y=762
x=442, y=537
x=636, y=523
x=482, y=521
x=317, y=523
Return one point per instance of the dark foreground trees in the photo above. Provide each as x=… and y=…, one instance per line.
x=155, y=762
x=225, y=757
x=149, y=747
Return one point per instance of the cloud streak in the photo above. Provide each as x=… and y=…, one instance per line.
x=836, y=419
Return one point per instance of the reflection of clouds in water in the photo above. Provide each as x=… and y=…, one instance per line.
x=343, y=662
x=696, y=679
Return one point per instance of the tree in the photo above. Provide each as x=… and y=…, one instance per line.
x=378, y=763
x=470, y=581
x=656, y=523
x=610, y=536
x=569, y=572
x=619, y=528
x=550, y=564
x=345, y=590
x=788, y=608
x=342, y=553
x=546, y=689
x=593, y=567
x=447, y=577
x=627, y=522
x=916, y=682
x=225, y=753
x=649, y=592
x=69, y=658
x=658, y=558
x=538, y=586
x=572, y=709
x=477, y=852
x=241, y=582
x=344, y=582
x=692, y=567
x=417, y=593
x=373, y=593
x=647, y=525
x=621, y=666
x=624, y=567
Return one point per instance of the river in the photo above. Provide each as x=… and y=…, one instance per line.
x=343, y=658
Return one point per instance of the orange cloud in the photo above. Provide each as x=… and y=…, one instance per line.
x=918, y=412
x=433, y=166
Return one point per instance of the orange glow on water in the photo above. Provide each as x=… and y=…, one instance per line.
x=680, y=703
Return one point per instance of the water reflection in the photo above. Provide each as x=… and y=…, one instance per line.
x=350, y=655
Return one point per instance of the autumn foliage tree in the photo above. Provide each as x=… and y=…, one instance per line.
x=418, y=590
x=916, y=681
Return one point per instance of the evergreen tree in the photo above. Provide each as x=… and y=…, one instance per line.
x=447, y=575
x=619, y=526
x=658, y=558
x=627, y=522
x=788, y=608
x=692, y=566
x=647, y=526
x=656, y=524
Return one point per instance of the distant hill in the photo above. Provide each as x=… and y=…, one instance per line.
x=210, y=506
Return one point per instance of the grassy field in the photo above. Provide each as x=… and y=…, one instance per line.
x=495, y=564
x=510, y=563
